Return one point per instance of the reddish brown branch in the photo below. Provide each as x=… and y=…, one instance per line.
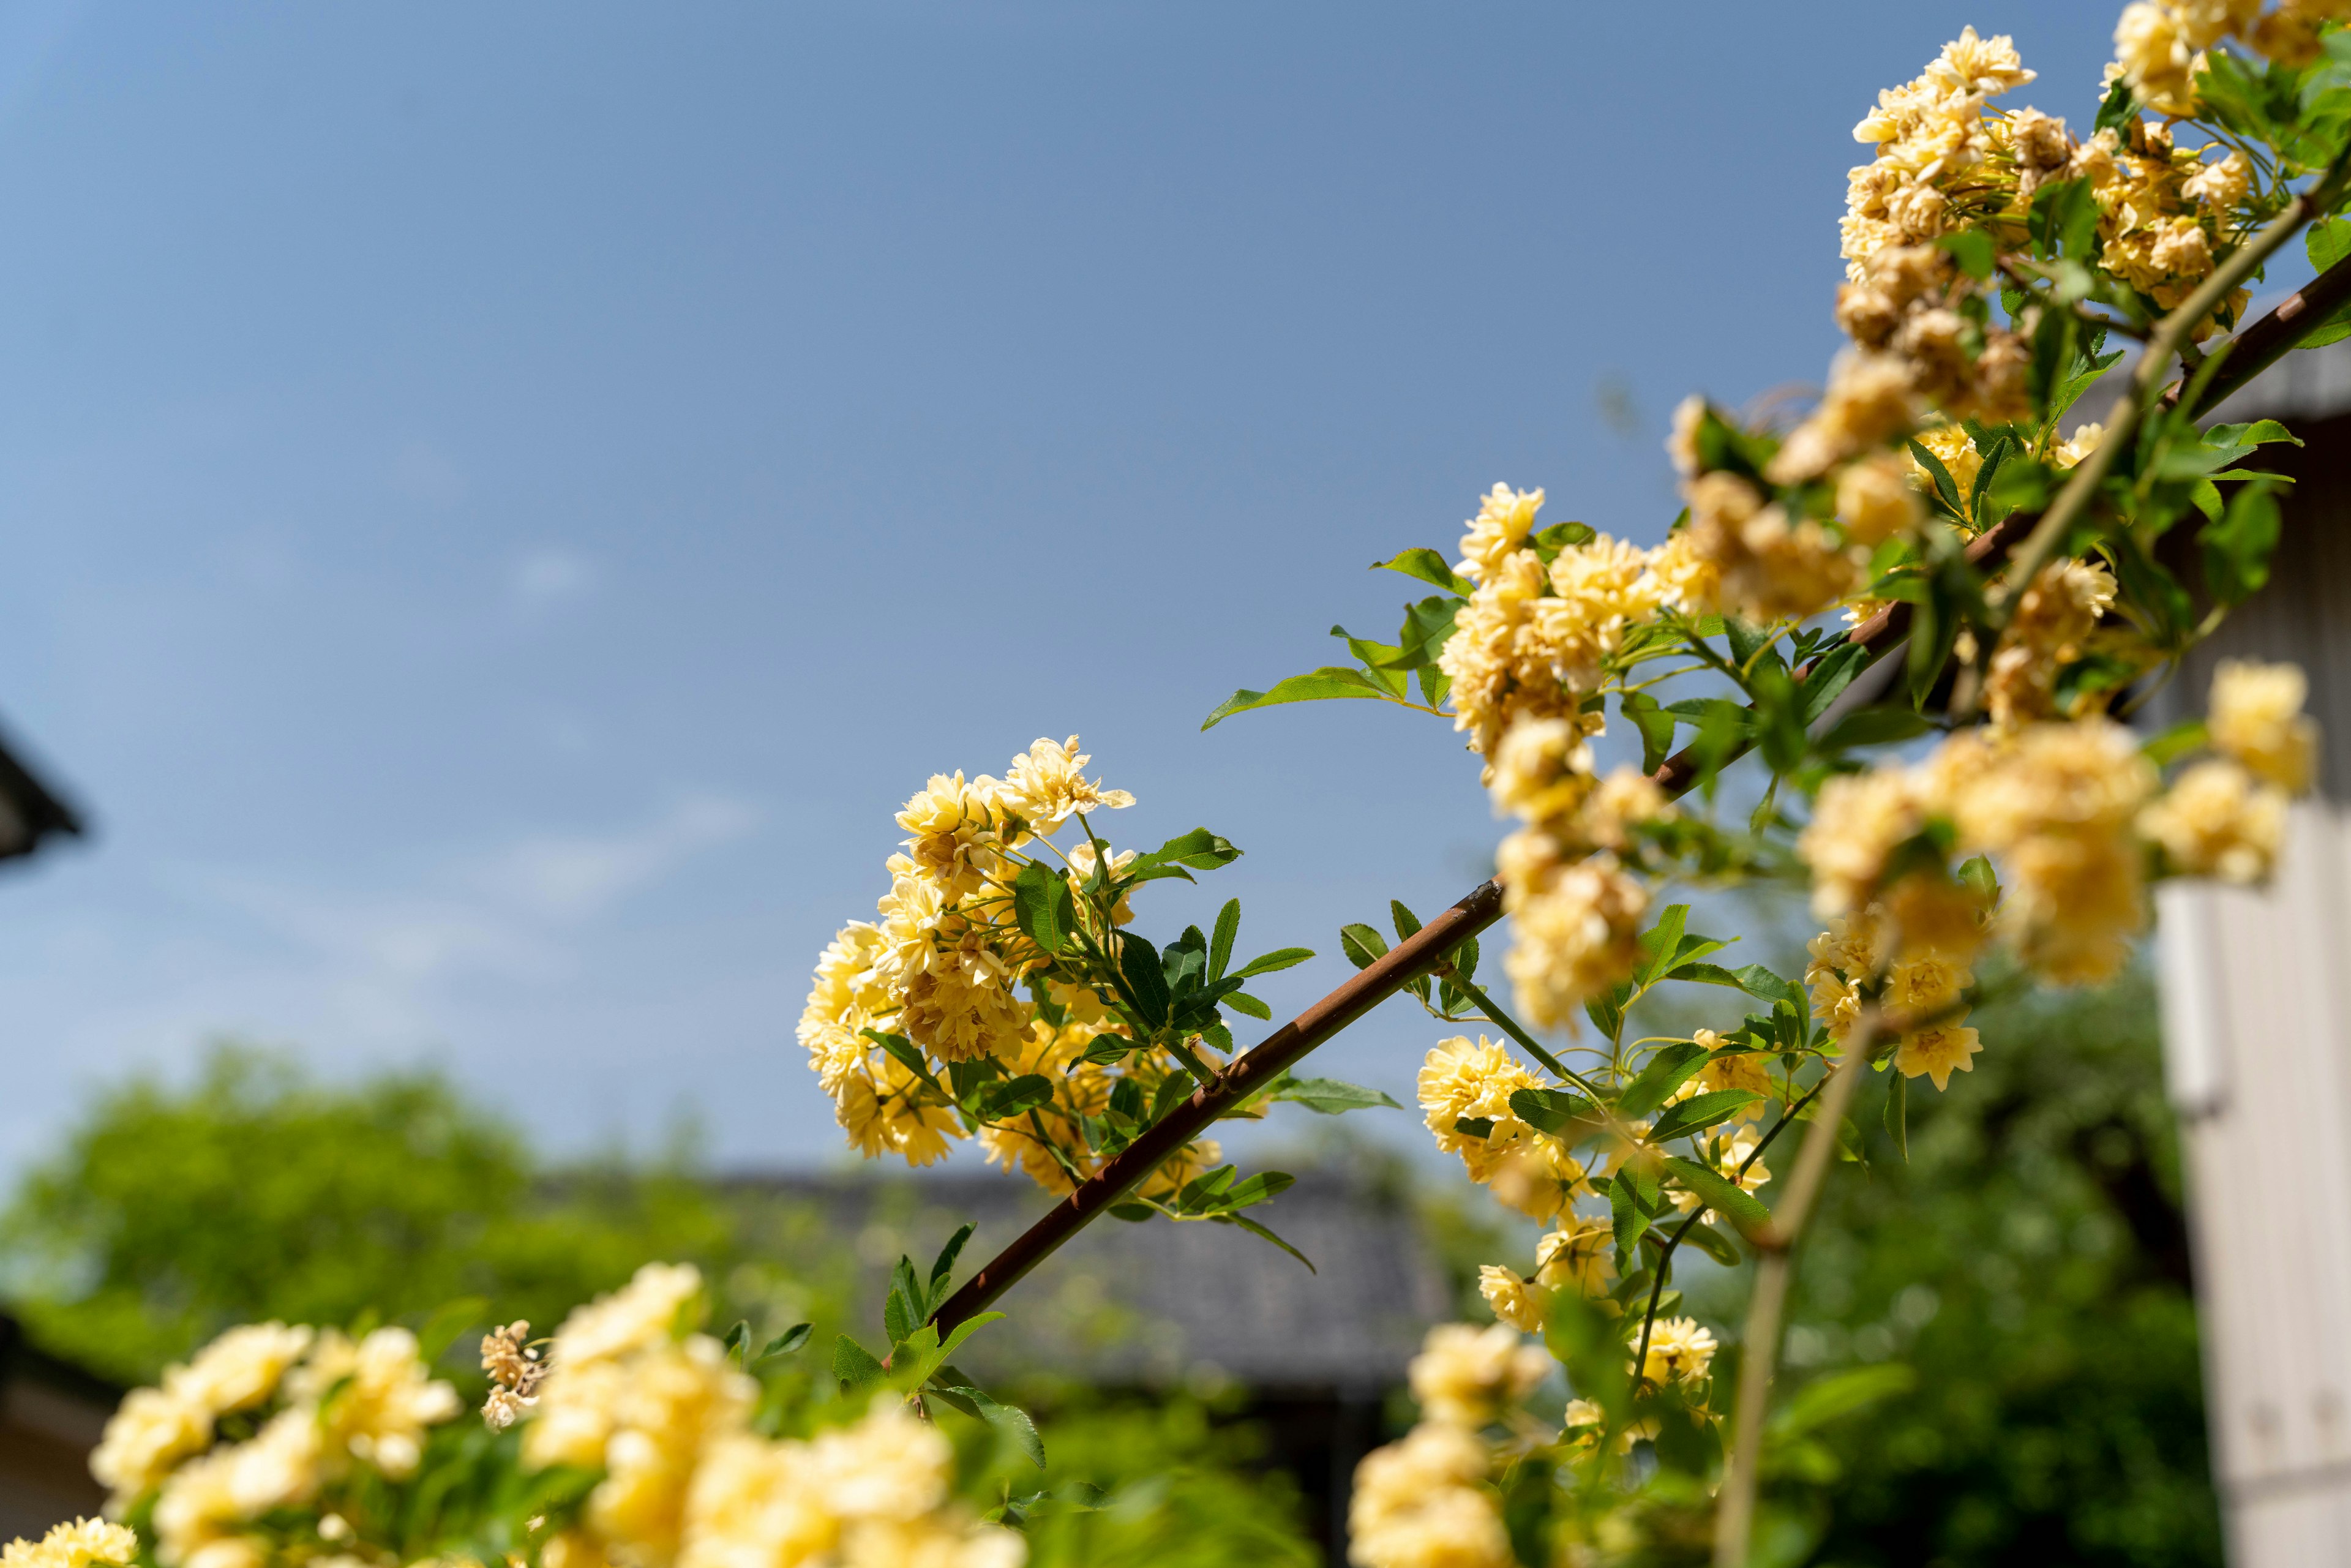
x=2253, y=351
x=1406, y=962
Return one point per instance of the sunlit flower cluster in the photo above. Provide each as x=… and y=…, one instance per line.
x=1934, y=139
x=945, y=969
x=634, y=1392
x=267, y=1417
x=75, y=1543
x=1535, y=638
x=2160, y=45
x=2165, y=213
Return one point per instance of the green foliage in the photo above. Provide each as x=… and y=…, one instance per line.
x=1161, y=1485
x=258, y=1192
x=2029, y=1263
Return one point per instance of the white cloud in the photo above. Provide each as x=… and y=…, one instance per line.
x=572, y=877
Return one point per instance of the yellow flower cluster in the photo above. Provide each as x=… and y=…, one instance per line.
x=1575, y=909
x=943, y=965
x=2225, y=816
x=2159, y=44
x=2163, y=212
x=1934, y=139
x=2065, y=810
x=1576, y=1257
x=77, y=1543
x=327, y=1408
x=1535, y=638
x=1424, y=1502
x=1922, y=984
x=1763, y=565
x=634, y=1392
x=2055, y=619
x=1082, y=1088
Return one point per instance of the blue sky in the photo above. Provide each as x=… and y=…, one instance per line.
x=503, y=502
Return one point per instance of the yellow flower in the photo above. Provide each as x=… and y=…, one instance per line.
x=1679, y=1351
x=240, y=1368
x=1938, y=1051
x=1575, y=934
x=1504, y=517
x=1421, y=1504
x=1955, y=449
x=1047, y=785
x=77, y=1543
x=145, y=1437
x=1875, y=500
x=2256, y=718
x=1460, y=1082
x=1467, y=1377
x=2216, y=821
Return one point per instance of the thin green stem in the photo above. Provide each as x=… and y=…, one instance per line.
x=2122, y=423
x=1509, y=1026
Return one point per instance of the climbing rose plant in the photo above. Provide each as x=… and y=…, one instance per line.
x=1974, y=813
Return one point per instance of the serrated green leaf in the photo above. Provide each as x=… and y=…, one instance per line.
x=1699, y=1112
x=853, y=1364
x=1726, y=1198
x=1331, y=683
x=1328, y=1096
x=1431, y=568
x=1664, y=1073
x=1268, y=963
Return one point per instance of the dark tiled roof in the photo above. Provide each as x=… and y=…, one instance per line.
x=1158, y=1303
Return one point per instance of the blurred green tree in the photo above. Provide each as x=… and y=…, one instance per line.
x=259, y=1192
x=2030, y=1259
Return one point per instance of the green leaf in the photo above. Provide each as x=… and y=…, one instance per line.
x=1267, y=963
x=1220, y=944
x=1262, y=1188
x=1146, y=981
x=1328, y=684
x=2188, y=734
x=1715, y=1245
x=1041, y=905
x=1655, y=724
x=1663, y=1075
x=1431, y=568
x=1550, y=1110
x=2236, y=549
x=1897, y=1114
x=1823, y=1399
x=1627, y=1218
x=2327, y=241
x=1407, y=924
x=1944, y=486
x=1973, y=249
x=1757, y=981
x=791, y=1340
x=450, y=1320
x=1242, y=1002
x=1661, y=942
x=999, y=1101
x=1254, y=1228
x=1328, y=1096
x=1874, y=727
x=1473, y=1126
x=1547, y=542
x=1199, y=849
x=1726, y=1198
x=853, y=1364
x=1363, y=944
x=1699, y=1112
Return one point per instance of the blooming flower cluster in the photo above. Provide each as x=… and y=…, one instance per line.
x=1427, y=1502
x=906, y=1013
x=635, y=1394
x=75, y=1543
x=1536, y=636
x=2160, y=45
x=267, y=1417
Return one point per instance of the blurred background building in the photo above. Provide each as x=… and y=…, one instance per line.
x=2257, y=1028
